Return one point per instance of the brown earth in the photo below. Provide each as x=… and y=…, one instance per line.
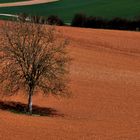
x=105, y=82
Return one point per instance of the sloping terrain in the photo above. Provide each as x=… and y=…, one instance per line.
x=66, y=9
x=8, y=1
x=23, y=2
x=105, y=82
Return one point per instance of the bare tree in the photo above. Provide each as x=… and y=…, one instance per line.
x=32, y=57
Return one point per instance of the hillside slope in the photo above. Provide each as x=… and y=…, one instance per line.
x=67, y=8
x=105, y=82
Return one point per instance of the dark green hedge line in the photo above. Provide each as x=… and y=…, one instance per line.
x=81, y=20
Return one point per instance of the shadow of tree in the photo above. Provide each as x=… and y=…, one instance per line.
x=21, y=108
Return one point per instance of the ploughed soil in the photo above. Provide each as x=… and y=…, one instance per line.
x=105, y=85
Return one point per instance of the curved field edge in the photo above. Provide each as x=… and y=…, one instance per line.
x=67, y=8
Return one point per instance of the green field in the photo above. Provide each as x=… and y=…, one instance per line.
x=6, y=1
x=67, y=8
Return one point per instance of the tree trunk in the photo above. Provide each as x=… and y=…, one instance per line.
x=30, y=102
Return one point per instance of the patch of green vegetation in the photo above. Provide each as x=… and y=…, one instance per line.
x=18, y=112
x=66, y=9
x=4, y=17
x=25, y=113
x=9, y=1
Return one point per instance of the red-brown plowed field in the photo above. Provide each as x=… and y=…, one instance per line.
x=105, y=82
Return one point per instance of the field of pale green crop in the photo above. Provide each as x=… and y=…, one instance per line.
x=67, y=8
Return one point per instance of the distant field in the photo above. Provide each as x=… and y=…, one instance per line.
x=67, y=8
x=7, y=1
